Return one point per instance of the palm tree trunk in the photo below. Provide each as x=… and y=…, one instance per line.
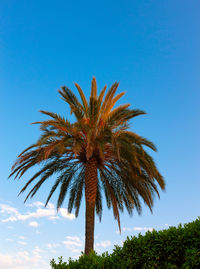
x=90, y=198
x=89, y=227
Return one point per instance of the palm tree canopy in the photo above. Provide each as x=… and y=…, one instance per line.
x=126, y=173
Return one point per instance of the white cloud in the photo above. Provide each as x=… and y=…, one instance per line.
x=48, y=212
x=54, y=217
x=64, y=213
x=5, y=260
x=37, y=250
x=126, y=229
x=52, y=246
x=22, y=260
x=50, y=205
x=39, y=204
x=22, y=243
x=10, y=219
x=8, y=209
x=33, y=224
x=104, y=244
x=73, y=241
x=36, y=204
x=137, y=229
x=145, y=229
x=39, y=213
x=22, y=237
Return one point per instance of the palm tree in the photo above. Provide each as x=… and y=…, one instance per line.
x=96, y=153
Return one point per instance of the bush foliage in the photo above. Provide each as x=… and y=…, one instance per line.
x=173, y=248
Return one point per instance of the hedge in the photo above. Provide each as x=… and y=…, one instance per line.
x=173, y=248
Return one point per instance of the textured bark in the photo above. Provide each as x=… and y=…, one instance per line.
x=90, y=198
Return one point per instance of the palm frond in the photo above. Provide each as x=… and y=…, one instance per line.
x=98, y=204
x=94, y=89
x=84, y=101
x=70, y=98
x=69, y=176
x=76, y=192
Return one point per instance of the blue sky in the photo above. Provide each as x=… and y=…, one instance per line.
x=152, y=49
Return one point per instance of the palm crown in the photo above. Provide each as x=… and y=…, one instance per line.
x=96, y=153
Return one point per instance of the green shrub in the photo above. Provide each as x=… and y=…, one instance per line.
x=92, y=261
x=60, y=265
x=174, y=248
